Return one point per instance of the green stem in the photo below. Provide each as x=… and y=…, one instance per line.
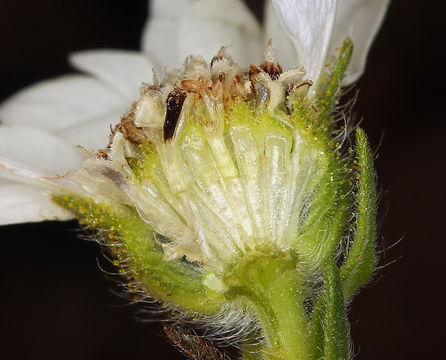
x=271, y=287
x=284, y=321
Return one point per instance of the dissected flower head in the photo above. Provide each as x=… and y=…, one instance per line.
x=220, y=162
x=229, y=190
x=222, y=185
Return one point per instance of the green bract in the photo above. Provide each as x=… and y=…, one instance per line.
x=225, y=192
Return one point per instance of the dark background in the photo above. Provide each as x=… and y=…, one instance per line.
x=55, y=303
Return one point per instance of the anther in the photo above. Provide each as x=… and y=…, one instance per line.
x=174, y=103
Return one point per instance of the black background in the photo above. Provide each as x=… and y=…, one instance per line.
x=56, y=304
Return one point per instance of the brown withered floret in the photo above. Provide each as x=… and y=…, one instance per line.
x=147, y=89
x=131, y=132
x=292, y=87
x=197, y=86
x=238, y=88
x=218, y=88
x=102, y=154
x=253, y=71
x=273, y=69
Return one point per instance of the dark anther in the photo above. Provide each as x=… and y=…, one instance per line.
x=216, y=58
x=273, y=69
x=287, y=98
x=174, y=103
x=220, y=55
x=113, y=175
x=161, y=238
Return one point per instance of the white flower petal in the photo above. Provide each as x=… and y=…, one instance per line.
x=309, y=24
x=359, y=20
x=13, y=171
x=60, y=102
x=169, y=8
x=38, y=149
x=92, y=134
x=125, y=71
x=210, y=24
x=161, y=43
x=160, y=35
x=282, y=44
x=23, y=203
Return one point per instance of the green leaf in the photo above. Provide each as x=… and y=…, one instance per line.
x=360, y=261
x=336, y=345
x=318, y=328
x=330, y=209
x=328, y=87
x=325, y=225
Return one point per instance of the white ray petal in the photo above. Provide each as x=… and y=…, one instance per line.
x=161, y=43
x=359, y=20
x=125, y=71
x=169, y=8
x=208, y=25
x=16, y=172
x=92, y=134
x=21, y=203
x=282, y=44
x=38, y=149
x=309, y=24
x=160, y=35
x=59, y=103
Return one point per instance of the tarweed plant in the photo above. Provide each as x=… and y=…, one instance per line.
x=239, y=199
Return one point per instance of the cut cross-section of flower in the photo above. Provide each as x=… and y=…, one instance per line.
x=237, y=185
x=224, y=192
x=242, y=163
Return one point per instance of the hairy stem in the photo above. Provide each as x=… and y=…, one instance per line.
x=271, y=288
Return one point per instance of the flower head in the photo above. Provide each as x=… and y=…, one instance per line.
x=230, y=189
